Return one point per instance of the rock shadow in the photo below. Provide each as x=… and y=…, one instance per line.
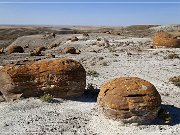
x=174, y=115
x=90, y=95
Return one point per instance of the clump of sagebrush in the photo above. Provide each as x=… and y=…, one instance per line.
x=165, y=116
x=172, y=56
x=104, y=63
x=91, y=90
x=46, y=98
x=175, y=80
x=112, y=49
x=101, y=58
x=92, y=73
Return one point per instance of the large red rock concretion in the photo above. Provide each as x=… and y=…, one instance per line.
x=130, y=100
x=165, y=40
x=59, y=77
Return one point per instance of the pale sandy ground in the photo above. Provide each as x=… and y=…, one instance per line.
x=81, y=116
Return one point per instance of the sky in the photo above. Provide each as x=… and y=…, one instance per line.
x=89, y=14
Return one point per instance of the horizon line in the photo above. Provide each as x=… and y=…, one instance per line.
x=78, y=2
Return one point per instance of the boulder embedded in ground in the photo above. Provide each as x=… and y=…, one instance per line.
x=60, y=78
x=130, y=100
x=164, y=39
x=14, y=49
x=71, y=50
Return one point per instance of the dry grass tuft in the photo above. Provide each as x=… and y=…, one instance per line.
x=175, y=80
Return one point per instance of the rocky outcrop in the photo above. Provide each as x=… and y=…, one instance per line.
x=164, y=39
x=130, y=100
x=14, y=49
x=58, y=77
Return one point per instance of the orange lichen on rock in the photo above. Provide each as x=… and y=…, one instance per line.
x=164, y=39
x=129, y=99
x=59, y=77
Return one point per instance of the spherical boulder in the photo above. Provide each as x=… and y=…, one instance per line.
x=166, y=40
x=130, y=100
x=14, y=49
x=58, y=77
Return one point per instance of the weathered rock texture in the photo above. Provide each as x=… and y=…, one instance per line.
x=164, y=39
x=130, y=100
x=58, y=77
x=14, y=49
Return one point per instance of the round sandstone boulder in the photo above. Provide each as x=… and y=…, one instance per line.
x=58, y=77
x=130, y=100
x=166, y=40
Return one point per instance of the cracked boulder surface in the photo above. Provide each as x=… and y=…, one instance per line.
x=61, y=78
x=166, y=40
x=130, y=100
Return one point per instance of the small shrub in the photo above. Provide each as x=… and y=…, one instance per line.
x=112, y=49
x=165, y=116
x=115, y=54
x=46, y=98
x=91, y=91
x=172, y=56
x=175, y=80
x=101, y=58
x=92, y=73
x=105, y=63
x=115, y=60
x=129, y=54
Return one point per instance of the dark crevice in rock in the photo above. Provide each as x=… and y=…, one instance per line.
x=125, y=109
x=136, y=95
x=105, y=92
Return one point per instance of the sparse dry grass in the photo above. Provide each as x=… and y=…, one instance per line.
x=46, y=98
x=91, y=91
x=172, y=56
x=164, y=115
x=175, y=80
x=92, y=73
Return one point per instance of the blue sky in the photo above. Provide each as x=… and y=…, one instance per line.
x=90, y=14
